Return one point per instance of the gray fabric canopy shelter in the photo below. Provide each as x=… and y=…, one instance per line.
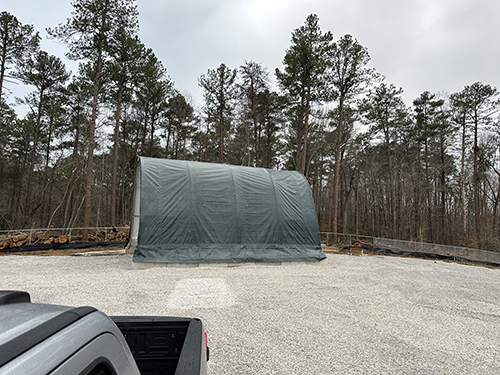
x=193, y=212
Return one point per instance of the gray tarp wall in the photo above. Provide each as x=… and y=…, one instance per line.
x=192, y=212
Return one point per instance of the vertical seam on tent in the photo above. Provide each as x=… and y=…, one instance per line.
x=310, y=198
x=279, y=227
x=141, y=188
x=139, y=166
x=309, y=194
x=191, y=203
x=236, y=211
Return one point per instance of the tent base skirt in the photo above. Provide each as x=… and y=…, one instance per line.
x=144, y=265
x=228, y=253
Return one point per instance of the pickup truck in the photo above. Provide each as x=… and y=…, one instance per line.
x=50, y=339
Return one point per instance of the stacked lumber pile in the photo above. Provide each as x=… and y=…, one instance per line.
x=358, y=248
x=9, y=242
x=110, y=235
x=15, y=240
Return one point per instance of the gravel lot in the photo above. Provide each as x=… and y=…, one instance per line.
x=357, y=315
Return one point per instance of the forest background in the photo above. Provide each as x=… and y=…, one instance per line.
x=429, y=171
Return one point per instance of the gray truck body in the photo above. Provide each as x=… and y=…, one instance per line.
x=50, y=339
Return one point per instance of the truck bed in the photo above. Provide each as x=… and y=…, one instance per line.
x=165, y=345
x=37, y=338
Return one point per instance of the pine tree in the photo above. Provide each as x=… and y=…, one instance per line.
x=126, y=51
x=153, y=90
x=387, y=115
x=304, y=80
x=88, y=34
x=349, y=76
x=476, y=103
x=180, y=115
x=255, y=81
x=47, y=74
x=220, y=95
x=17, y=42
x=429, y=116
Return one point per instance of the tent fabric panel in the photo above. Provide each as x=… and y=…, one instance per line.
x=193, y=212
x=257, y=211
x=165, y=204
x=297, y=214
x=213, y=204
x=235, y=253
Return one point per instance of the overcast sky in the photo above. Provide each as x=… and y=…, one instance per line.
x=419, y=45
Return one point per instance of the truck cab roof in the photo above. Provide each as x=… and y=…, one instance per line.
x=40, y=338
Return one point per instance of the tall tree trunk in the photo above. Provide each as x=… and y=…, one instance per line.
x=306, y=131
x=152, y=133
x=496, y=206
x=319, y=189
x=462, y=183
x=428, y=194
x=38, y=122
x=116, y=142
x=167, y=146
x=416, y=209
x=392, y=189
x=356, y=216
x=47, y=207
x=338, y=153
x=476, y=177
x=90, y=156
x=2, y=66
x=444, y=235
x=268, y=143
x=49, y=141
x=256, y=132
x=69, y=198
x=256, y=140
x=144, y=131
x=221, y=136
x=348, y=192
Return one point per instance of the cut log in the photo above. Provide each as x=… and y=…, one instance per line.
x=357, y=251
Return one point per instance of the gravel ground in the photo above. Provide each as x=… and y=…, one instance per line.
x=357, y=315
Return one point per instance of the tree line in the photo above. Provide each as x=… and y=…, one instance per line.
x=428, y=171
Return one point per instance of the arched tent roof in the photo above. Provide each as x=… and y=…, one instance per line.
x=193, y=212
